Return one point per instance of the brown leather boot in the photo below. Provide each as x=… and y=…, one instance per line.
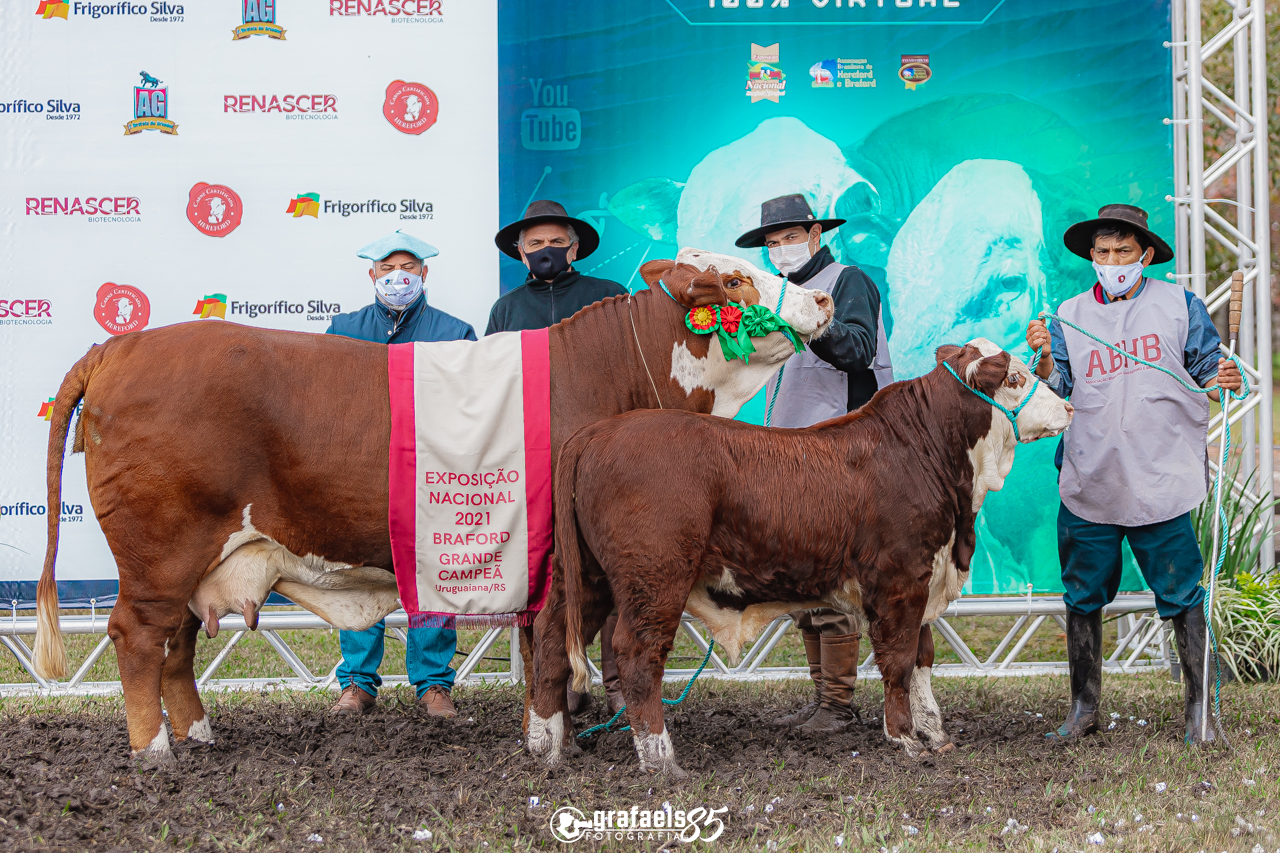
x=839, y=675
x=812, y=651
x=437, y=703
x=609, y=666
x=579, y=703
x=353, y=702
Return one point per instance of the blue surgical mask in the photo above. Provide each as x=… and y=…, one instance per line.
x=398, y=289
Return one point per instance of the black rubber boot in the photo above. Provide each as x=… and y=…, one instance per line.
x=812, y=652
x=1192, y=634
x=1084, y=653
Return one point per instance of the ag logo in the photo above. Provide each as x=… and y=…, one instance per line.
x=121, y=308
x=410, y=107
x=150, y=107
x=214, y=209
x=259, y=18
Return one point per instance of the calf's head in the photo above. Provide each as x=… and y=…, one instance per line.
x=1008, y=380
x=808, y=311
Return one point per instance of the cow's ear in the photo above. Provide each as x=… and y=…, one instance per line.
x=653, y=271
x=988, y=372
x=693, y=287
x=946, y=352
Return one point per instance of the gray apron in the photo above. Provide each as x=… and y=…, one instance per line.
x=813, y=390
x=1135, y=451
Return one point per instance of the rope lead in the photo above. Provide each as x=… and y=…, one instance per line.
x=683, y=695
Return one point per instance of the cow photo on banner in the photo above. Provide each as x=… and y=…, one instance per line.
x=219, y=161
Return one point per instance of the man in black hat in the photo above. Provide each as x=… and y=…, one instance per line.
x=838, y=373
x=1133, y=462
x=547, y=240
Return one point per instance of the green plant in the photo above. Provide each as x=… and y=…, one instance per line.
x=1243, y=516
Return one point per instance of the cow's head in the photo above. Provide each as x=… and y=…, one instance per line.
x=703, y=365
x=1008, y=380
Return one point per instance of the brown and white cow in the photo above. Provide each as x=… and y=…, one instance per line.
x=225, y=461
x=871, y=514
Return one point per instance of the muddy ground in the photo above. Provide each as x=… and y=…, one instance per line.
x=284, y=776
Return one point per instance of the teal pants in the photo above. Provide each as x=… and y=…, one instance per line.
x=427, y=657
x=1167, y=553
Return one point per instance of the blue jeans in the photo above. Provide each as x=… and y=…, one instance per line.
x=1167, y=553
x=427, y=657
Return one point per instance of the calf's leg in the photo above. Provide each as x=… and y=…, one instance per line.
x=178, y=684
x=641, y=658
x=924, y=708
x=895, y=637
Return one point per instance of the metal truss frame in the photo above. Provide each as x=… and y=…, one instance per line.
x=1227, y=199
x=1143, y=647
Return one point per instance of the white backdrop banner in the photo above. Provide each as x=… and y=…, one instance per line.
x=219, y=160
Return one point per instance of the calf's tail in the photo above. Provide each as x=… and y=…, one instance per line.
x=50, y=656
x=569, y=553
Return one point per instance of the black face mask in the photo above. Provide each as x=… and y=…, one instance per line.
x=548, y=263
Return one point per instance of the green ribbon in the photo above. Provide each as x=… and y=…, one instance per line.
x=757, y=321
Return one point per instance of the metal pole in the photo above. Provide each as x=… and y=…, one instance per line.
x=1246, y=129
x=1262, y=283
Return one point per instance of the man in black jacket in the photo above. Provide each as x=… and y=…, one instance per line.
x=548, y=241
x=839, y=372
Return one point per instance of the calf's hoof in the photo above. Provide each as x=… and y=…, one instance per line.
x=656, y=753
x=547, y=736
x=157, y=754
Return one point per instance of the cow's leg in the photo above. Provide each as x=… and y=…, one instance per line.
x=642, y=656
x=178, y=684
x=140, y=630
x=895, y=637
x=526, y=655
x=924, y=708
x=549, y=711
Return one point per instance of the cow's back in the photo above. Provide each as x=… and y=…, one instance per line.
x=186, y=426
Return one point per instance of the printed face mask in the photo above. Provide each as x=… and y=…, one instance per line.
x=1118, y=280
x=397, y=289
x=789, y=258
x=548, y=263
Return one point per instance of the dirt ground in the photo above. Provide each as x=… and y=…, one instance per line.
x=283, y=776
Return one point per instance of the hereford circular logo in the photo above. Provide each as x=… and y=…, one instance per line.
x=410, y=107
x=121, y=308
x=214, y=209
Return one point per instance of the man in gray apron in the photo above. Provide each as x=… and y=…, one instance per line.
x=837, y=373
x=1134, y=460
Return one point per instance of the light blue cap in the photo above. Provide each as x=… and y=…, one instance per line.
x=398, y=241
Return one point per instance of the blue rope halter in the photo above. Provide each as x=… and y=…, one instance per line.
x=1011, y=415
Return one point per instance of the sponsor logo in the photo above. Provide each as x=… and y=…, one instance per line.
x=915, y=70
x=213, y=305
x=823, y=73
x=26, y=312
x=121, y=308
x=290, y=106
x=568, y=824
x=214, y=209
x=765, y=80
x=157, y=12
x=53, y=9
x=46, y=409
x=306, y=204
x=150, y=107
x=410, y=107
x=552, y=125
x=94, y=208
x=259, y=18
x=397, y=11
x=842, y=74
x=70, y=512
x=54, y=109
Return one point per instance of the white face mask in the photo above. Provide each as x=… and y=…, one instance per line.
x=1118, y=280
x=790, y=257
x=397, y=289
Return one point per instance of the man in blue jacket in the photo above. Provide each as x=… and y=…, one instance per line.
x=399, y=314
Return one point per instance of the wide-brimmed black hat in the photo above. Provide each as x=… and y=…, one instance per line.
x=541, y=213
x=782, y=212
x=1126, y=217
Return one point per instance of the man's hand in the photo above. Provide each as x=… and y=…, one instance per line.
x=1038, y=339
x=1228, y=376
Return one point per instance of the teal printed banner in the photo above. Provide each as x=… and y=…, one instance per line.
x=958, y=139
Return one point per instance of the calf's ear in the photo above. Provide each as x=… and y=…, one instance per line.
x=946, y=351
x=653, y=271
x=693, y=287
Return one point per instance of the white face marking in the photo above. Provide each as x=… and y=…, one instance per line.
x=733, y=382
x=1045, y=416
x=925, y=712
x=546, y=737
x=201, y=730
x=800, y=307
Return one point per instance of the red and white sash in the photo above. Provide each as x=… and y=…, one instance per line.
x=470, y=479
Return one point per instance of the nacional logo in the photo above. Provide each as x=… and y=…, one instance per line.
x=765, y=79
x=398, y=11
x=150, y=108
x=96, y=209
x=306, y=204
x=46, y=409
x=915, y=70
x=53, y=9
x=26, y=312
x=121, y=308
x=410, y=107
x=213, y=305
x=259, y=18
x=214, y=209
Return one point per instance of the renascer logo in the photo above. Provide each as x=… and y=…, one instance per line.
x=324, y=107
x=96, y=209
x=26, y=312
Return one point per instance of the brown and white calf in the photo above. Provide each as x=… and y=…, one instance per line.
x=871, y=514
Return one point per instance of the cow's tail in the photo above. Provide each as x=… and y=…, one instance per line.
x=50, y=657
x=569, y=554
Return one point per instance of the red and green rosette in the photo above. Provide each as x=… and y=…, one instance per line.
x=737, y=325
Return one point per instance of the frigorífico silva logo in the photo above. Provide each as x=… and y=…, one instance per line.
x=157, y=12
x=410, y=107
x=54, y=109
x=214, y=209
x=26, y=312
x=150, y=107
x=121, y=308
x=310, y=204
x=306, y=204
x=259, y=18
x=213, y=305
x=217, y=305
x=53, y=9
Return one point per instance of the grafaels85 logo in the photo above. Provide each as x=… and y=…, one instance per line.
x=214, y=209
x=410, y=107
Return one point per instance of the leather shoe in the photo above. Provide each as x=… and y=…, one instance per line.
x=353, y=702
x=437, y=703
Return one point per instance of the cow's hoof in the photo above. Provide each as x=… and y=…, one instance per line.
x=547, y=736
x=200, y=733
x=657, y=755
x=157, y=754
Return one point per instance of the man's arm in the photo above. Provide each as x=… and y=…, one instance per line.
x=850, y=343
x=1202, y=355
x=1054, y=367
